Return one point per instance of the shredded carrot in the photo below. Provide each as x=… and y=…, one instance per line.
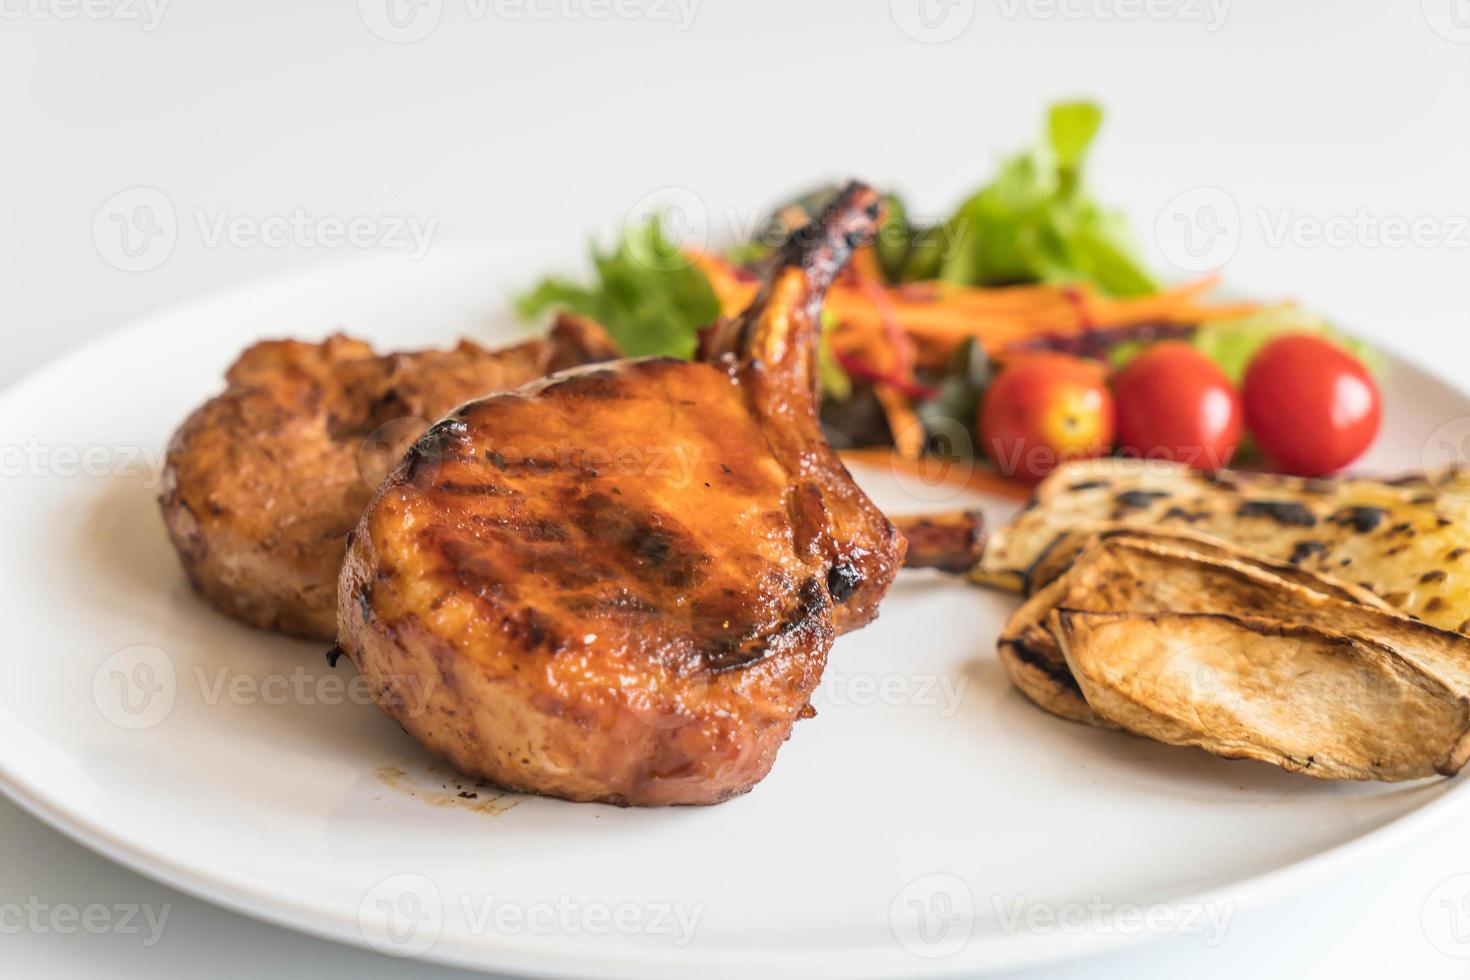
x=884, y=334
x=903, y=421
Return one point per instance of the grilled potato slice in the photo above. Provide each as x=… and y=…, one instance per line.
x=1304, y=697
x=1408, y=544
x=1139, y=571
x=1065, y=549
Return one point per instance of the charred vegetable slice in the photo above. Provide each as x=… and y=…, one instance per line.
x=1309, y=699
x=1132, y=571
x=1409, y=545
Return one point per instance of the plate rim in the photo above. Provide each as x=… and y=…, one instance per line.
x=278, y=907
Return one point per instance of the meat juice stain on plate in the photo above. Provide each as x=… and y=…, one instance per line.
x=453, y=794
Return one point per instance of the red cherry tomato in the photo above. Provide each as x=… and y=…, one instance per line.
x=1175, y=403
x=1043, y=410
x=1312, y=407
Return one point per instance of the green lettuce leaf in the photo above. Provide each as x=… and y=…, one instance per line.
x=1035, y=221
x=647, y=295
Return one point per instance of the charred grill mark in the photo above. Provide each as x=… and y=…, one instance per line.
x=467, y=565
x=538, y=529
x=810, y=605
x=1139, y=499
x=564, y=566
x=843, y=580
x=445, y=440
x=1306, y=549
x=1221, y=479
x=639, y=543
x=1087, y=485
x=1290, y=513
x=728, y=643
x=1437, y=575
x=727, y=654
x=1032, y=657
x=529, y=628
x=1362, y=519
x=1187, y=516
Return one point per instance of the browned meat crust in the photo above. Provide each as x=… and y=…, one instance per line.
x=263, y=482
x=622, y=584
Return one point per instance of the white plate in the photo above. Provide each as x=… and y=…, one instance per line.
x=928, y=821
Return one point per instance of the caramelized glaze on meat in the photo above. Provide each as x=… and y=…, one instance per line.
x=263, y=482
x=621, y=584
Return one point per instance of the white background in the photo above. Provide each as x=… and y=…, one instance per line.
x=543, y=122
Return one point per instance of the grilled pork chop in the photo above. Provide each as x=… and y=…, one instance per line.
x=621, y=584
x=263, y=482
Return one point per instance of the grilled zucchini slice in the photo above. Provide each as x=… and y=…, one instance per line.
x=1407, y=543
